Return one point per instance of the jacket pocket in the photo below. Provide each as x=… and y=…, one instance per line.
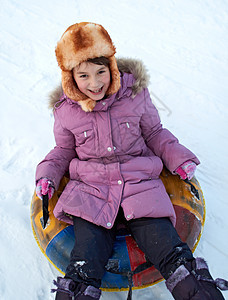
x=130, y=132
x=84, y=135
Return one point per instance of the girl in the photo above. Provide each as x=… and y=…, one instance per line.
x=109, y=138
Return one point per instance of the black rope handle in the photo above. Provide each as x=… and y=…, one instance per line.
x=45, y=211
x=129, y=274
x=193, y=189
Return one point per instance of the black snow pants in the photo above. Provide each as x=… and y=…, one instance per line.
x=156, y=237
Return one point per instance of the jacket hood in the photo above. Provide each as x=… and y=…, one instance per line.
x=125, y=65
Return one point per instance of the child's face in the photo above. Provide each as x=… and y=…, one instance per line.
x=92, y=80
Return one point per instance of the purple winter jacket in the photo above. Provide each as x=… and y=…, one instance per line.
x=114, y=156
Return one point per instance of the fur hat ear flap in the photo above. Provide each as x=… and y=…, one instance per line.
x=115, y=75
x=80, y=42
x=70, y=89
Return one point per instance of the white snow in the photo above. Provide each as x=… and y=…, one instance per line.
x=79, y=263
x=184, y=45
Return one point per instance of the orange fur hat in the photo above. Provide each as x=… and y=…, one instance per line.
x=80, y=42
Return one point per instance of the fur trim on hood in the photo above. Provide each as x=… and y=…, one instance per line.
x=125, y=65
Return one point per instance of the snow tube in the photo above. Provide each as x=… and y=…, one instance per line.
x=57, y=239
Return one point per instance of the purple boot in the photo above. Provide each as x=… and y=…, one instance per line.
x=193, y=281
x=67, y=289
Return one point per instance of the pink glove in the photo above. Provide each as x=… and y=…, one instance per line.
x=45, y=186
x=186, y=170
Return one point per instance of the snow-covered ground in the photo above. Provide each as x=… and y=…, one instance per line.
x=185, y=47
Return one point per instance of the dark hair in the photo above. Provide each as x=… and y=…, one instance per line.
x=99, y=61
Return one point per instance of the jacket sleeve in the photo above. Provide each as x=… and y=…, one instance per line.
x=56, y=163
x=160, y=140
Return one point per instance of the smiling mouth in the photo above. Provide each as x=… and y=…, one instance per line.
x=96, y=92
